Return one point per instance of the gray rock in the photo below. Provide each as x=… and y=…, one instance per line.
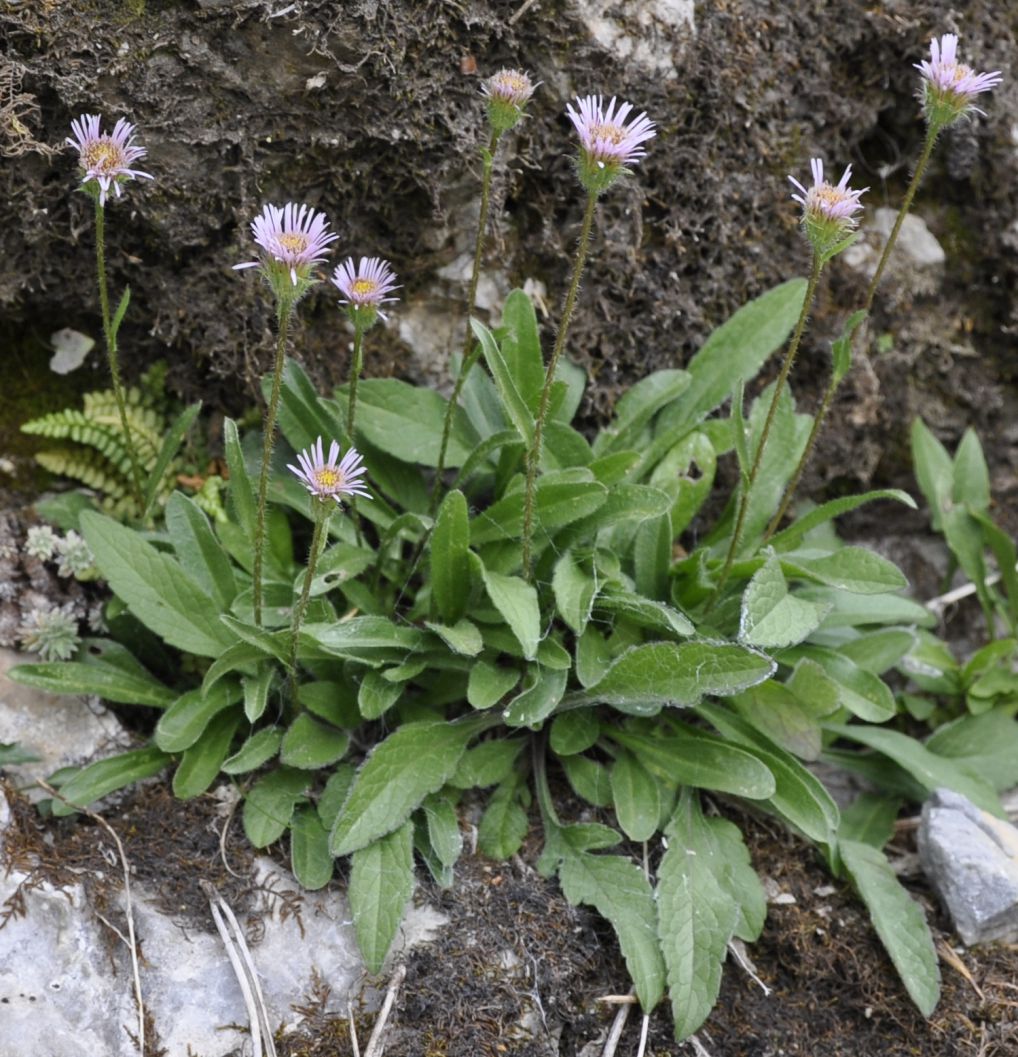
x=971, y=859
x=66, y=987
x=916, y=244
x=60, y=730
x=643, y=32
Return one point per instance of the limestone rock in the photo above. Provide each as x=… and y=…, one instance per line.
x=971, y=859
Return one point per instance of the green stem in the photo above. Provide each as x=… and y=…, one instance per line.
x=534, y=455
x=469, y=355
x=111, y=353
x=786, y=368
x=931, y=138
x=871, y=290
x=544, y=800
x=268, y=440
x=322, y=512
x=355, y=373
x=818, y=421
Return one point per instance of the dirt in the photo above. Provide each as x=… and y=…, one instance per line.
x=518, y=972
x=371, y=111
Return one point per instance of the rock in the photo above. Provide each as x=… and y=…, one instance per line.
x=917, y=246
x=59, y=729
x=66, y=977
x=971, y=859
x=643, y=32
x=70, y=347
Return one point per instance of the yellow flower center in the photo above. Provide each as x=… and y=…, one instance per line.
x=958, y=72
x=102, y=156
x=828, y=195
x=294, y=241
x=611, y=132
x=512, y=82
x=364, y=287
x=328, y=479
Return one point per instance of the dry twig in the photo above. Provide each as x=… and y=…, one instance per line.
x=376, y=1046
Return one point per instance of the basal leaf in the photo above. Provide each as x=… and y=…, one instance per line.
x=771, y=616
x=450, y=564
x=98, y=779
x=381, y=883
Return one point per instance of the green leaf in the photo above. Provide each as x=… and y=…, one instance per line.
x=574, y=592
x=516, y=600
x=849, y=611
x=121, y=311
x=521, y=347
x=543, y=690
x=854, y=569
x=504, y=823
x=406, y=421
x=309, y=849
x=593, y=657
x=878, y=651
x=381, y=883
x=12, y=754
x=170, y=446
x=899, y=921
x=443, y=829
x=791, y=537
x=334, y=795
x=376, y=695
x=645, y=612
x=971, y=475
x=668, y=673
x=652, y=557
x=986, y=745
x=155, y=587
x=702, y=760
x=686, y=473
x=927, y=768
x=773, y=617
x=200, y=765
x=418, y=759
x=126, y=685
x=241, y=491
x=870, y=819
x=841, y=348
x=486, y=764
x=303, y=414
x=934, y=471
x=739, y=878
x=696, y=917
x=487, y=684
x=513, y=402
x=106, y=776
x=270, y=803
x=590, y=781
x=258, y=749
x=619, y=892
x=637, y=797
x=450, y=564
x=256, y=689
x=637, y=407
x=625, y=502
x=799, y=797
x=309, y=745
x=862, y=693
x=574, y=732
x=361, y=638
x=791, y=722
x=734, y=352
x=198, y=551
x=182, y=724
x=462, y=637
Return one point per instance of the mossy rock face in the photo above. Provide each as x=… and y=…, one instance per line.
x=371, y=111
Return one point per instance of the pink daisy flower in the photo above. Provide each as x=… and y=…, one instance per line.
x=365, y=287
x=949, y=86
x=607, y=143
x=829, y=212
x=292, y=237
x=106, y=157
x=508, y=92
x=327, y=478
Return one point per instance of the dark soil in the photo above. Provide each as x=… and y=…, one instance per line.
x=519, y=972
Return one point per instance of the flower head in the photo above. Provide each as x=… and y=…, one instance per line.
x=828, y=211
x=292, y=239
x=949, y=86
x=75, y=557
x=365, y=288
x=50, y=631
x=105, y=157
x=328, y=479
x=607, y=143
x=41, y=542
x=508, y=93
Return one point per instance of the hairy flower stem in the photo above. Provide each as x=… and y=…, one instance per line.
x=110, y=335
x=779, y=385
x=470, y=354
x=323, y=510
x=355, y=372
x=534, y=455
x=871, y=290
x=268, y=440
x=932, y=132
